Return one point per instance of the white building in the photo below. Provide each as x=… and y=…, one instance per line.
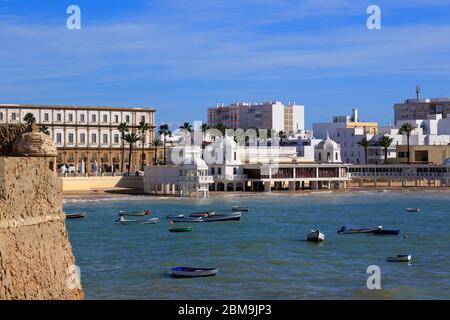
x=271, y=115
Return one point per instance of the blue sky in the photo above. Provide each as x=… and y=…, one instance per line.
x=182, y=56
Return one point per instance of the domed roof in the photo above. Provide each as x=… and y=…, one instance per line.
x=197, y=162
x=328, y=143
x=34, y=144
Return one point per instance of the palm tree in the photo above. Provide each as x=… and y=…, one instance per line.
x=29, y=118
x=131, y=138
x=156, y=143
x=44, y=130
x=123, y=127
x=385, y=142
x=164, y=131
x=186, y=126
x=143, y=128
x=406, y=129
x=222, y=128
x=365, y=144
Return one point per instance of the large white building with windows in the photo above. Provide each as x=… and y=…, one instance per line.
x=88, y=134
x=271, y=115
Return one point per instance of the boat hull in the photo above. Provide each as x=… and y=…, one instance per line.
x=382, y=232
x=130, y=222
x=181, y=229
x=399, y=258
x=359, y=230
x=223, y=217
x=75, y=215
x=187, y=272
x=315, y=236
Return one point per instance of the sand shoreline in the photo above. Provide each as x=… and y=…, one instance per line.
x=140, y=192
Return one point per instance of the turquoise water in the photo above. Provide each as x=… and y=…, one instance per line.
x=265, y=256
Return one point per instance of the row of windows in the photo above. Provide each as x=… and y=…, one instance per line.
x=13, y=117
x=82, y=138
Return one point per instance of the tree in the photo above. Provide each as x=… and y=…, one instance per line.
x=187, y=127
x=143, y=128
x=156, y=143
x=406, y=129
x=204, y=128
x=44, y=130
x=123, y=127
x=222, y=128
x=385, y=142
x=365, y=144
x=29, y=118
x=131, y=138
x=164, y=131
x=282, y=135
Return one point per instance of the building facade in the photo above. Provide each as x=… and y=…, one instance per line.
x=272, y=115
x=412, y=109
x=87, y=138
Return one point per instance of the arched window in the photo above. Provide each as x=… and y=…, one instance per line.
x=320, y=156
x=336, y=156
x=328, y=156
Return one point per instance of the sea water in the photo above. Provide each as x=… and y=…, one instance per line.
x=265, y=254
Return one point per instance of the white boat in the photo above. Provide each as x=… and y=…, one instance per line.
x=188, y=272
x=413, y=209
x=122, y=220
x=202, y=214
x=183, y=218
x=135, y=213
x=399, y=258
x=315, y=236
x=235, y=216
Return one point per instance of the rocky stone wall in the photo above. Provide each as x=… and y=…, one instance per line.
x=36, y=259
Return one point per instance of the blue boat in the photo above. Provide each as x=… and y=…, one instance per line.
x=387, y=232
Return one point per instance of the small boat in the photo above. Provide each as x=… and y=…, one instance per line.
x=315, y=236
x=183, y=218
x=399, y=258
x=239, y=208
x=148, y=221
x=75, y=215
x=202, y=214
x=180, y=229
x=235, y=216
x=413, y=209
x=135, y=213
x=387, y=232
x=345, y=230
x=188, y=272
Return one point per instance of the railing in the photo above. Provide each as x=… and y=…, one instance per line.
x=197, y=179
x=231, y=177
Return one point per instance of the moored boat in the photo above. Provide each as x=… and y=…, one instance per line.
x=399, y=258
x=183, y=218
x=180, y=229
x=315, y=236
x=239, y=208
x=235, y=216
x=413, y=209
x=188, y=272
x=202, y=214
x=387, y=232
x=122, y=220
x=138, y=213
x=76, y=215
x=346, y=230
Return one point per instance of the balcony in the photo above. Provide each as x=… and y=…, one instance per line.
x=231, y=177
x=197, y=179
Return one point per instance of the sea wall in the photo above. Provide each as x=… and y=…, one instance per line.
x=98, y=183
x=36, y=260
